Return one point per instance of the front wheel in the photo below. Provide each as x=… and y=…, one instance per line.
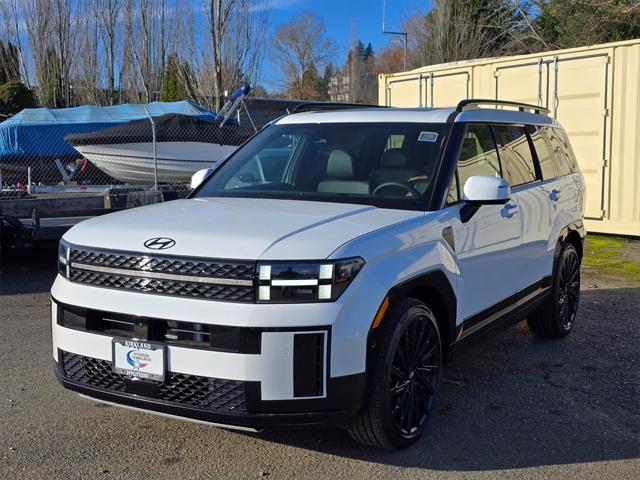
x=556, y=316
x=403, y=380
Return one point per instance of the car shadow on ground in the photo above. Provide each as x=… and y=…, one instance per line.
x=27, y=270
x=514, y=401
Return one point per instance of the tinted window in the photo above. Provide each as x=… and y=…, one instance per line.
x=561, y=149
x=566, y=144
x=543, y=150
x=478, y=155
x=515, y=154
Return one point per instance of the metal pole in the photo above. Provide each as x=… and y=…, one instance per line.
x=404, y=62
x=155, y=152
x=29, y=180
x=403, y=34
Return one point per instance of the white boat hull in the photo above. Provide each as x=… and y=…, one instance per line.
x=134, y=163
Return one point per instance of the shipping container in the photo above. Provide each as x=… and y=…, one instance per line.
x=594, y=92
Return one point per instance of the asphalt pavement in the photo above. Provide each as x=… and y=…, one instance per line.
x=510, y=406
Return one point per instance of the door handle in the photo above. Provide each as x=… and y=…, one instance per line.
x=509, y=210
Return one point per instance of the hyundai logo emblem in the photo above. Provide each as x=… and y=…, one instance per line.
x=159, y=243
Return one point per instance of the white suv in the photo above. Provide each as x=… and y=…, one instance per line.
x=325, y=271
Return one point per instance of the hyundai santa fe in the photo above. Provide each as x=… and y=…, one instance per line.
x=325, y=271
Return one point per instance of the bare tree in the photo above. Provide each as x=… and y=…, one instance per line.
x=300, y=48
x=456, y=30
x=109, y=16
x=236, y=31
x=65, y=21
x=87, y=78
x=37, y=19
x=12, y=20
x=108, y=51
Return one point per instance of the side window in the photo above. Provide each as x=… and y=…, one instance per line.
x=543, y=150
x=478, y=155
x=562, y=150
x=515, y=154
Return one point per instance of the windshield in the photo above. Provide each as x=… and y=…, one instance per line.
x=384, y=164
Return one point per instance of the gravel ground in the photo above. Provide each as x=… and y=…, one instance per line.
x=511, y=406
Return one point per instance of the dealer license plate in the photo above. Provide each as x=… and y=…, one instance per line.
x=138, y=359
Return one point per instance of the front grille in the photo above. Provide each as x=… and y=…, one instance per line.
x=191, y=390
x=210, y=279
x=161, y=264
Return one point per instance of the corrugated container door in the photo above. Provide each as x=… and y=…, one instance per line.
x=403, y=91
x=579, y=100
x=523, y=82
x=447, y=89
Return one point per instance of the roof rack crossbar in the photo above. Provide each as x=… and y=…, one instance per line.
x=311, y=106
x=472, y=103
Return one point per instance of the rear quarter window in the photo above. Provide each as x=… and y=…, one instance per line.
x=561, y=156
x=565, y=148
x=543, y=150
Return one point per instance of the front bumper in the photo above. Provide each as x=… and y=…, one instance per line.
x=260, y=385
x=253, y=421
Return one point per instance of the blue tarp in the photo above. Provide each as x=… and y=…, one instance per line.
x=40, y=132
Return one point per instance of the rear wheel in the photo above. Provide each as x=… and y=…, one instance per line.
x=556, y=316
x=403, y=380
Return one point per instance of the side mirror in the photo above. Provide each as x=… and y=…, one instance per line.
x=198, y=177
x=483, y=190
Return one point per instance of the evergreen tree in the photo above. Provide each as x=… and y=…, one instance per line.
x=14, y=96
x=173, y=88
x=567, y=24
x=359, y=74
x=9, y=63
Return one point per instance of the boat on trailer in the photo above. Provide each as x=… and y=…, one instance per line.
x=168, y=148
x=183, y=144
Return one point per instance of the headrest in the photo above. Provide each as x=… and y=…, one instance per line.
x=393, y=158
x=340, y=165
x=469, y=148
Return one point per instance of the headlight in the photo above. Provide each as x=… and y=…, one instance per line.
x=63, y=258
x=300, y=282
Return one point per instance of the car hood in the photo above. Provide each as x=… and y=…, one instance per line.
x=237, y=228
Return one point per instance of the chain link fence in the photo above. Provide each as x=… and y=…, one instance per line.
x=119, y=155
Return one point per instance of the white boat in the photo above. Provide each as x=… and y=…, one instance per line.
x=183, y=145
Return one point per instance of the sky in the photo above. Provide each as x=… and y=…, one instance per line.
x=342, y=19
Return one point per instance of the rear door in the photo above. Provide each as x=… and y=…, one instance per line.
x=532, y=198
x=487, y=246
x=562, y=186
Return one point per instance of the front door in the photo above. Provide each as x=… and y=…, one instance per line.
x=487, y=246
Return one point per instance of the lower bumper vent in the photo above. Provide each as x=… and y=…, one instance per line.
x=190, y=390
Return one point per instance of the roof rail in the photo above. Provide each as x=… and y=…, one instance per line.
x=311, y=106
x=472, y=103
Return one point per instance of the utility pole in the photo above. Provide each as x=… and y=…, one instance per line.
x=403, y=34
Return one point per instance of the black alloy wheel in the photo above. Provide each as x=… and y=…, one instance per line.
x=403, y=374
x=556, y=315
x=414, y=376
x=568, y=289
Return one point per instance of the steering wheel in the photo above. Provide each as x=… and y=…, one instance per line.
x=408, y=188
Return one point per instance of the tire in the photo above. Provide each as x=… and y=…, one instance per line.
x=556, y=316
x=397, y=384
